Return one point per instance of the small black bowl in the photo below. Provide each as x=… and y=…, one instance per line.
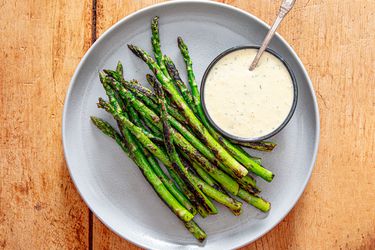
x=274, y=132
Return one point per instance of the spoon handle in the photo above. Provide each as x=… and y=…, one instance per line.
x=285, y=7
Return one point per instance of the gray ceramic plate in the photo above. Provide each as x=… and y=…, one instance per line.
x=111, y=184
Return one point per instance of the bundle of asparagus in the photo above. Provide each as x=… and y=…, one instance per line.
x=169, y=125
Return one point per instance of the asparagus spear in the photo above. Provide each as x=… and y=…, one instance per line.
x=195, y=230
x=111, y=132
x=194, y=122
x=239, y=155
x=189, y=68
x=108, y=130
x=120, y=69
x=247, y=182
x=176, y=161
x=256, y=159
x=259, y=145
x=173, y=73
x=218, y=196
x=181, y=142
x=155, y=40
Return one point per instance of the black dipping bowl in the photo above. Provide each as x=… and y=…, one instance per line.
x=274, y=132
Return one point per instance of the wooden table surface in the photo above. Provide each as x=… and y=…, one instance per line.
x=43, y=41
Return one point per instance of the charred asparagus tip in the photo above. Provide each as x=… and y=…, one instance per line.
x=95, y=120
x=180, y=41
x=133, y=48
x=102, y=104
x=167, y=59
x=137, y=51
x=108, y=71
x=158, y=90
x=102, y=76
x=104, y=126
x=155, y=24
x=151, y=80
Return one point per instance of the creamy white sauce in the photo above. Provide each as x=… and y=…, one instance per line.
x=248, y=103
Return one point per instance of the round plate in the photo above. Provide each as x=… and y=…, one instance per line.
x=114, y=188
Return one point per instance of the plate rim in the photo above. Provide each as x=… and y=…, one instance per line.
x=167, y=3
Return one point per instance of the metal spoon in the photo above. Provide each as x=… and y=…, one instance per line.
x=285, y=7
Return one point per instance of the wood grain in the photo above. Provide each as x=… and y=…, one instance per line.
x=41, y=44
x=43, y=41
